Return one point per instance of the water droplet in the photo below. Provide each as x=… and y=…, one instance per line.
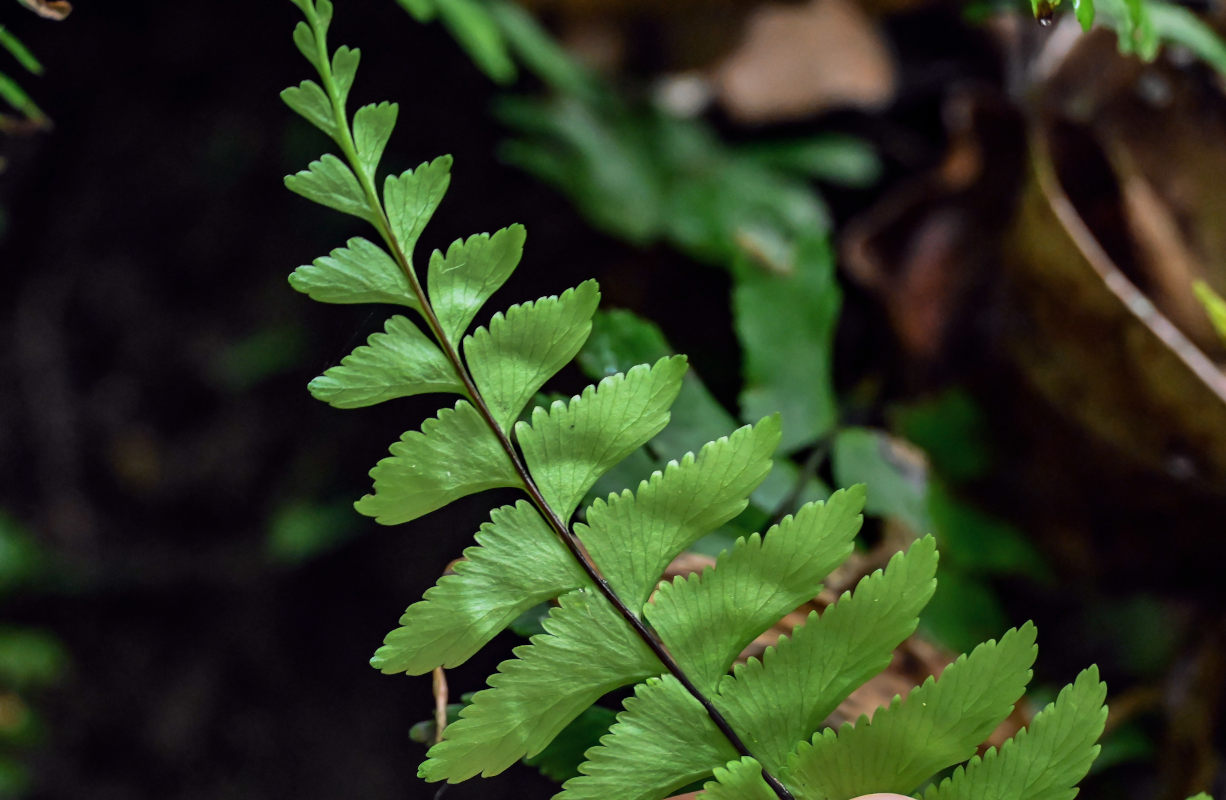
x=1045, y=12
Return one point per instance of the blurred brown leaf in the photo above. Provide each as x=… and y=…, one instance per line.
x=49, y=9
x=800, y=60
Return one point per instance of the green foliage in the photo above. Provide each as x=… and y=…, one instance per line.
x=1214, y=305
x=10, y=91
x=1144, y=26
x=757, y=731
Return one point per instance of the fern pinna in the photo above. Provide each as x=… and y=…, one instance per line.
x=754, y=732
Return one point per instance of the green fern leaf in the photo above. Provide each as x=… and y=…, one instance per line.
x=619, y=341
x=454, y=455
x=663, y=741
x=527, y=705
x=462, y=280
x=738, y=780
x=344, y=70
x=674, y=508
x=304, y=40
x=312, y=104
x=706, y=620
x=572, y=444
x=1045, y=761
x=521, y=349
x=518, y=562
x=782, y=698
x=372, y=128
x=360, y=272
x=938, y=725
x=412, y=197
x=331, y=183
x=398, y=363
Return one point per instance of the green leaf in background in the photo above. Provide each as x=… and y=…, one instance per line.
x=897, y=481
x=834, y=158
x=621, y=339
x=471, y=24
x=240, y=365
x=965, y=610
x=19, y=51
x=1214, y=304
x=978, y=543
x=1084, y=10
x=786, y=325
x=22, y=560
x=299, y=531
x=561, y=759
x=952, y=430
x=30, y=659
x=539, y=52
x=14, y=777
x=16, y=97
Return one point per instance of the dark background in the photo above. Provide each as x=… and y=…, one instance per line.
x=155, y=426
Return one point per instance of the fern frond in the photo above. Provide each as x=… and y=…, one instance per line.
x=1043, y=762
x=517, y=563
x=399, y=362
x=675, y=507
x=572, y=444
x=938, y=725
x=412, y=197
x=688, y=719
x=706, y=620
x=663, y=741
x=784, y=697
x=359, y=272
x=738, y=780
x=521, y=349
x=372, y=128
x=468, y=275
x=331, y=183
x=453, y=455
x=527, y=705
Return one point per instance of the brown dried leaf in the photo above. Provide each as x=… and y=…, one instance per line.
x=800, y=60
x=1091, y=342
x=49, y=9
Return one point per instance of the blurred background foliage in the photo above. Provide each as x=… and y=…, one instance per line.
x=954, y=247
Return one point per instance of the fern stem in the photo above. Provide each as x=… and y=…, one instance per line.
x=559, y=526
